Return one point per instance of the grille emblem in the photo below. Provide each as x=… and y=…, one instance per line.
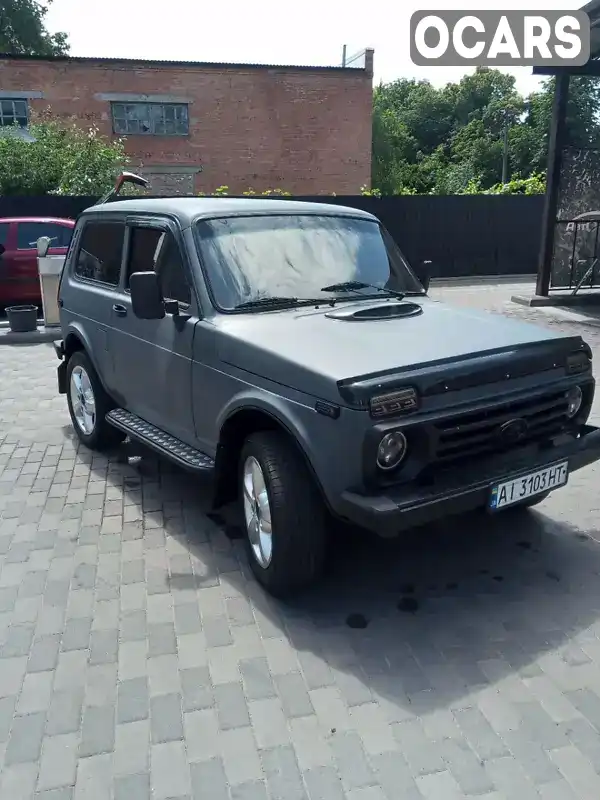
x=513, y=431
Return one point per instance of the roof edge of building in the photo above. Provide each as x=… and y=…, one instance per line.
x=153, y=63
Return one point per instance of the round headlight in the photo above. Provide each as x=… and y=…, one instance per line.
x=391, y=450
x=574, y=399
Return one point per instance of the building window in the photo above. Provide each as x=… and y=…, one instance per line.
x=153, y=119
x=13, y=111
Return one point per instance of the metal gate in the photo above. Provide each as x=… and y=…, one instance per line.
x=576, y=253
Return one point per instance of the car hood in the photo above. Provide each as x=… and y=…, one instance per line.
x=288, y=346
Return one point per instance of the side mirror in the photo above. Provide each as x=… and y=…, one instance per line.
x=43, y=245
x=424, y=274
x=146, y=297
x=2, y=249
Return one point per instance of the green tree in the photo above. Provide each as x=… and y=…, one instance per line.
x=61, y=159
x=23, y=32
x=443, y=140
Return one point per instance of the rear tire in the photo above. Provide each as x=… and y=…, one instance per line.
x=88, y=404
x=284, y=515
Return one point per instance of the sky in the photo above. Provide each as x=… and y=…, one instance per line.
x=268, y=31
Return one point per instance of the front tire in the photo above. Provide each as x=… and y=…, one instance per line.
x=88, y=404
x=284, y=515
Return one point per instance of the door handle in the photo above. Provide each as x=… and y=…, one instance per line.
x=120, y=310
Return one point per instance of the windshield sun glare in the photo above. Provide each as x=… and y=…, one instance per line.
x=250, y=258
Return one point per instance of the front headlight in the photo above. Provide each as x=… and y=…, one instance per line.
x=574, y=399
x=391, y=451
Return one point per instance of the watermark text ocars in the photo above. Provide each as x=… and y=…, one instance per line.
x=500, y=38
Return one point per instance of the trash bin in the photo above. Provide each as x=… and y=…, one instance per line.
x=22, y=319
x=49, y=269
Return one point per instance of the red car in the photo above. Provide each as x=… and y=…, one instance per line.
x=19, y=282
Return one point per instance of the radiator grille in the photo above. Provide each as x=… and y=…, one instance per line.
x=468, y=436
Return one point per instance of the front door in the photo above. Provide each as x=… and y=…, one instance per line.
x=153, y=358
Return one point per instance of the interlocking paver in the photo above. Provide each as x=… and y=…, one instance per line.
x=25, y=740
x=166, y=719
x=209, y=780
x=58, y=766
x=284, y=780
x=137, y=654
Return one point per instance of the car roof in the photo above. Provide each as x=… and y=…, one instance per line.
x=59, y=220
x=188, y=209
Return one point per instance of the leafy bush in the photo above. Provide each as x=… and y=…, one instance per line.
x=535, y=184
x=62, y=159
x=223, y=191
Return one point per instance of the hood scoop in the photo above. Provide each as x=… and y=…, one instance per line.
x=377, y=312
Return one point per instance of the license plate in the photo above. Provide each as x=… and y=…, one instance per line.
x=542, y=480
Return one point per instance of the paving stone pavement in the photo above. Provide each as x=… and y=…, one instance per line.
x=138, y=659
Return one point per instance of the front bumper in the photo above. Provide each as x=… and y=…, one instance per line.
x=463, y=490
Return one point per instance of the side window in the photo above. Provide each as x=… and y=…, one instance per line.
x=29, y=232
x=100, y=252
x=171, y=272
x=4, y=228
x=153, y=249
x=144, y=244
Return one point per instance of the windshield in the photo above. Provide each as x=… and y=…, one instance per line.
x=256, y=257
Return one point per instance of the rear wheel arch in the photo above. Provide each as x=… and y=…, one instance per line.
x=73, y=343
x=234, y=432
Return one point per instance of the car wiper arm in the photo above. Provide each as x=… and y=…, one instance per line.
x=354, y=286
x=269, y=302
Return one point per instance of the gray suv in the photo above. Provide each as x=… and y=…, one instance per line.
x=289, y=351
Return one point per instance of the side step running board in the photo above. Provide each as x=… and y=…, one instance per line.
x=163, y=443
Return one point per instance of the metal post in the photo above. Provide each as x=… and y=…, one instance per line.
x=555, y=147
x=344, y=56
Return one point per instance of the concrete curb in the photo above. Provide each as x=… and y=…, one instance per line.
x=40, y=336
x=557, y=300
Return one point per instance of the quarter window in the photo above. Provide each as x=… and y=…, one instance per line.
x=150, y=119
x=100, y=252
x=13, y=112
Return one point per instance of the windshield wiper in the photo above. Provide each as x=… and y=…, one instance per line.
x=354, y=286
x=269, y=302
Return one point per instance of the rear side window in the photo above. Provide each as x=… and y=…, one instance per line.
x=100, y=252
x=29, y=232
x=4, y=228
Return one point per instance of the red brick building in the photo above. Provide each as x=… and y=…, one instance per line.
x=303, y=129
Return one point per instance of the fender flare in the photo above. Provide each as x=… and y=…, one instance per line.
x=270, y=406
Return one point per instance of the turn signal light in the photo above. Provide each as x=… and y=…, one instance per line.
x=577, y=363
x=402, y=401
